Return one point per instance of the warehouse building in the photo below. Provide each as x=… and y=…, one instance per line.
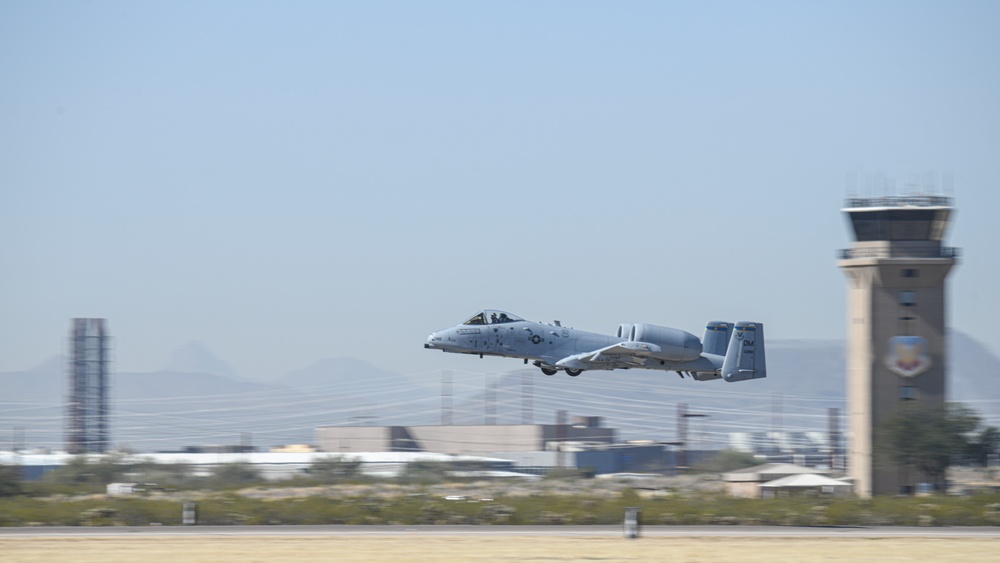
x=462, y=439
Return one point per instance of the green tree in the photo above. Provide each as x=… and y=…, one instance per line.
x=331, y=469
x=931, y=439
x=90, y=470
x=728, y=460
x=166, y=474
x=982, y=445
x=11, y=480
x=236, y=473
x=424, y=472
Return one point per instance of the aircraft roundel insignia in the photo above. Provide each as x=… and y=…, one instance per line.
x=535, y=339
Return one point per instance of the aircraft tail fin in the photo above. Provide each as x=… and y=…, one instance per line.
x=745, y=354
x=716, y=338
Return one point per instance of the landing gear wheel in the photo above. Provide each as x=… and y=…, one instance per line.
x=548, y=371
x=573, y=372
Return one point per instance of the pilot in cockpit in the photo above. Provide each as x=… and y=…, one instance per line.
x=504, y=318
x=493, y=318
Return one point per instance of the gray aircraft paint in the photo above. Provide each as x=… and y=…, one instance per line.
x=734, y=352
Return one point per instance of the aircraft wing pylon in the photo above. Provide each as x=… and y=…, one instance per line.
x=623, y=353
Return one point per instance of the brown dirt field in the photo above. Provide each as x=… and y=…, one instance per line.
x=533, y=548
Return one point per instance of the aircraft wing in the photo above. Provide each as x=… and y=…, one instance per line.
x=603, y=358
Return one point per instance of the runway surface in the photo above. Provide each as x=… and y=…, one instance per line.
x=501, y=531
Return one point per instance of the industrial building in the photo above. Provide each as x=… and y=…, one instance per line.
x=481, y=439
x=896, y=272
x=532, y=448
x=813, y=449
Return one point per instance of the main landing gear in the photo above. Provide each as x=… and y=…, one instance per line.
x=552, y=371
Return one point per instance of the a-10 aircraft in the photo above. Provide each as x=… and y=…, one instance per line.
x=731, y=351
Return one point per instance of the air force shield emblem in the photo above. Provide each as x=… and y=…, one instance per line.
x=908, y=355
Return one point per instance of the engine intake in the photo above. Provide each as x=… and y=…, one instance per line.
x=624, y=331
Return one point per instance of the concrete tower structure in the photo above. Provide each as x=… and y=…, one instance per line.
x=88, y=407
x=896, y=271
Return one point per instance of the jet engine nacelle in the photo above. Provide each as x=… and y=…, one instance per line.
x=624, y=331
x=675, y=344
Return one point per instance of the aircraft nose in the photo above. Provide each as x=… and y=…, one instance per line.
x=431, y=340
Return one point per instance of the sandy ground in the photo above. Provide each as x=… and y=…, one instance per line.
x=546, y=549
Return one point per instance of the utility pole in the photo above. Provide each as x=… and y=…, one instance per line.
x=560, y=437
x=833, y=436
x=682, y=433
x=491, y=399
x=446, y=397
x=526, y=397
x=17, y=443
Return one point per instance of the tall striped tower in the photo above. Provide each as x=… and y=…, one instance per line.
x=88, y=407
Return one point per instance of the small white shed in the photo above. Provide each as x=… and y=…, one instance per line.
x=819, y=484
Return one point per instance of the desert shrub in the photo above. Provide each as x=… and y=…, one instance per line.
x=236, y=474
x=726, y=460
x=408, y=508
x=424, y=472
x=334, y=469
x=89, y=511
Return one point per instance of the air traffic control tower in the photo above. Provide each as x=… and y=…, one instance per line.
x=896, y=271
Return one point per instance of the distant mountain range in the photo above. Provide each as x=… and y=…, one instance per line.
x=197, y=399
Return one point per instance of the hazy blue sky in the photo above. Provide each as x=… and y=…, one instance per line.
x=290, y=181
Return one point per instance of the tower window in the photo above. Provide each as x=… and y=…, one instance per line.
x=909, y=272
x=908, y=298
x=908, y=393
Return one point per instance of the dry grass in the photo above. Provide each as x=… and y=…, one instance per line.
x=533, y=548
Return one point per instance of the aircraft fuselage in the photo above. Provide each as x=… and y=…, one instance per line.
x=553, y=347
x=517, y=339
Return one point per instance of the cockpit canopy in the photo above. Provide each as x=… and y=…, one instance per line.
x=491, y=317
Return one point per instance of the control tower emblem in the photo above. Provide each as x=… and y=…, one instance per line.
x=908, y=355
